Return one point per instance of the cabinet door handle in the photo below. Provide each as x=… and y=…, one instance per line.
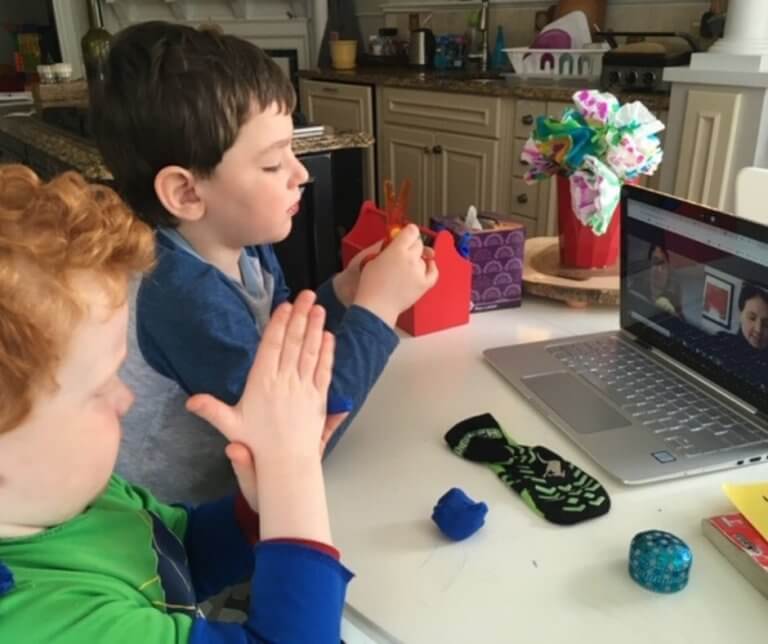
x=331, y=90
x=527, y=119
x=438, y=149
x=522, y=198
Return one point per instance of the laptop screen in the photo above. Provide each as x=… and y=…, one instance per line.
x=694, y=283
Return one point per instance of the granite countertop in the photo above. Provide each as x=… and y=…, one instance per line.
x=82, y=155
x=482, y=84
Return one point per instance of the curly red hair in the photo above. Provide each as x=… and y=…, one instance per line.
x=50, y=233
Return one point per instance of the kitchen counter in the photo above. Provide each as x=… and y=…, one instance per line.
x=485, y=84
x=62, y=150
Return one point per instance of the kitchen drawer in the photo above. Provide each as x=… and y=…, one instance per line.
x=524, y=199
x=525, y=116
x=340, y=90
x=531, y=225
x=342, y=106
x=460, y=113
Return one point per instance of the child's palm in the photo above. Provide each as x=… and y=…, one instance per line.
x=283, y=407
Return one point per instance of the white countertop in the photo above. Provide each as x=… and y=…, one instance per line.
x=519, y=579
x=716, y=77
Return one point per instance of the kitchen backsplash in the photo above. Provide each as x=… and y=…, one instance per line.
x=518, y=22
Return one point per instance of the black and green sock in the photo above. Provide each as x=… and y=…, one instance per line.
x=551, y=486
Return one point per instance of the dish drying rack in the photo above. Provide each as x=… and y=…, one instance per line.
x=556, y=63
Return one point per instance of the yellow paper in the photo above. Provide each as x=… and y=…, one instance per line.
x=751, y=499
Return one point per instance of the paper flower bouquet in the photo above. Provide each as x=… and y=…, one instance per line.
x=598, y=145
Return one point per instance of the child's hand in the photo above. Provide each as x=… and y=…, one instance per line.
x=398, y=277
x=346, y=282
x=245, y=469
x=281, y=416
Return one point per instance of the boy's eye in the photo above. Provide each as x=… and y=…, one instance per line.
x=272, y=168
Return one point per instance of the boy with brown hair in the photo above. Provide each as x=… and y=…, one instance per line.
x=85, y=556
x=196, y=128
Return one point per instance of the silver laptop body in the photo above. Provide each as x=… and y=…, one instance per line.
x=682, y=387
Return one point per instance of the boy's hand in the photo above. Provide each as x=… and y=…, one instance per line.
x=346, y=282
x=245, y=469
x=281, y=416
x=398, y=277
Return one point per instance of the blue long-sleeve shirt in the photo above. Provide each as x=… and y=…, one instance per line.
x=130, y=569
x=195, y=330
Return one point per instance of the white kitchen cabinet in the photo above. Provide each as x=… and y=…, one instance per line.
x=713, y=131
x=345, y=107
x=453, y=145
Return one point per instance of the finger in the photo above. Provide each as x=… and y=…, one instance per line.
x=324, y=368
x=366, y=252
x=220, y=415
x=295, y=331
x=405, y=237
x=428, y=253
x=267, y=359
x=239, y=454
x=332, y=423
x=417, y=247
x=313, y=341
x=242, y=463
x=432, y=274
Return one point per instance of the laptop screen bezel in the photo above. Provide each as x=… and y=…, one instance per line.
x=704, y=214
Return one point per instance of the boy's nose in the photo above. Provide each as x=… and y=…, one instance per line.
x=301, y=176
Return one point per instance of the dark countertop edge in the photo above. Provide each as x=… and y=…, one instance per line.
x=37, y=134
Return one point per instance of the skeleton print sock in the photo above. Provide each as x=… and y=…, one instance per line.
x=551, y=486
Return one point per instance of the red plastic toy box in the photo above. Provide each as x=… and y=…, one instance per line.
x=447, y=303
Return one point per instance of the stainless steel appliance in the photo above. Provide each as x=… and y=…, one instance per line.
x=641, y=71
x=421, y=49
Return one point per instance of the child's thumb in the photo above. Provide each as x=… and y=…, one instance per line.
x=217, y=413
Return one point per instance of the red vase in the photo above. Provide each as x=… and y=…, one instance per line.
x=579, y=246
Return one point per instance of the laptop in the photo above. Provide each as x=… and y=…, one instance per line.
x=682, y=387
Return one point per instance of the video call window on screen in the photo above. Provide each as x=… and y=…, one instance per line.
x=700, y=287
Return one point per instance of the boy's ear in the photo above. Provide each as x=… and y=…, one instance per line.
x=176, y=189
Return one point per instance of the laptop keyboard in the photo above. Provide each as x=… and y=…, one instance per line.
x=690, y=422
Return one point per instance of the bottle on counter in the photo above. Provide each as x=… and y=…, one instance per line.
x=95, y=45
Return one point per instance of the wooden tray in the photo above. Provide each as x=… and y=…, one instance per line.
x=543, y=275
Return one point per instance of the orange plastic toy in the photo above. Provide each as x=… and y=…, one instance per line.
x=447, y=303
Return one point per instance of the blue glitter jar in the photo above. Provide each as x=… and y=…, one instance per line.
x=659, y=561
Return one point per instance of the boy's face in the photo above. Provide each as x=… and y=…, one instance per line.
x=61, y=457
x=254, y=192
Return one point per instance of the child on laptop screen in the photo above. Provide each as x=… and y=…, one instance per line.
x=85, y=556
x=196, y=128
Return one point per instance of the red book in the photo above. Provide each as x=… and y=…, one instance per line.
x=742, y=545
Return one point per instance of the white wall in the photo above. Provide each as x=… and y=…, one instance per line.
x=517, y=16
x=275, y=24
x=272, y=24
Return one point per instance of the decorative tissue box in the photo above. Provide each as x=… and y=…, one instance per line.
x=496, y=255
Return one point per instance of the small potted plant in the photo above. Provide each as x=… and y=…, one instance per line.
x=592, y=149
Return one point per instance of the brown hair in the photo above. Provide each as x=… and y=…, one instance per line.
x=175, y=95
x=50, y=232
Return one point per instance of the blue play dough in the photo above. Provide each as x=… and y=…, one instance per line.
x=660, y=561
x=458, y=516
x=6, y=580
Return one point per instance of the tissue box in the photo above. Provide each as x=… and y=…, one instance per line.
x=496, y=255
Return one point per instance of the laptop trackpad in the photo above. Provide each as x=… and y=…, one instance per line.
x=575, y=402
